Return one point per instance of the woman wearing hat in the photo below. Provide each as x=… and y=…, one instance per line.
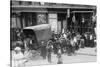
x=17, y=58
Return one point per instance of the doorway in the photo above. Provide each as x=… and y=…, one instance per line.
x=61, y=21
x=28, y=19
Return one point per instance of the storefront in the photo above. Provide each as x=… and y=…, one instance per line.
x=81, y=21
x=59, y=16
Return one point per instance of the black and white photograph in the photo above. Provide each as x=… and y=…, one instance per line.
x=46, y=33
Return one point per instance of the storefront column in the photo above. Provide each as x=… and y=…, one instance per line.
x=67, y=16
x=23, y=22
x=66, y=22
x=18, y=20
x=52, y=18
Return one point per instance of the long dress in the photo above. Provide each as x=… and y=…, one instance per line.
x=18, y=59
x=49, y=50
x=59, y=57
x=43, y=51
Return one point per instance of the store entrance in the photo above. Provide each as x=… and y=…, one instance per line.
x=61, y=21
x=84, y=22
x=80, y=22
x=28, y=19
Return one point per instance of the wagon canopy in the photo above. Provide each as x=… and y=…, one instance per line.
x=41, y=32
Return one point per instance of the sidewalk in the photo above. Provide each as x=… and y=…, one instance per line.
x=87, y=51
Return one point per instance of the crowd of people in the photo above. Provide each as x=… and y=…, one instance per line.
x=73, y=39
x=63, y=43
x=66, y=43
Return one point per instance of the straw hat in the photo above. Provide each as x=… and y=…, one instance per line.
x=17, y=48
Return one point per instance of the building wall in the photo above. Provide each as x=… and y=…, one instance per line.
x=45, y=13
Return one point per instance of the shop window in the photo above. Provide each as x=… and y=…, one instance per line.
x=41, y=18
x=81, y=22
x=13, y=22
x=29, y=19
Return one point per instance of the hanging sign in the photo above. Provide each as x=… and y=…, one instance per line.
x=68, y=13
x=73, y=19
x=93, y=18
x=83, y=20
x=42, y=3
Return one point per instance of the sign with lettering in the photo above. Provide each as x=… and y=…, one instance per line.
x=52, y=15
x=53, y=22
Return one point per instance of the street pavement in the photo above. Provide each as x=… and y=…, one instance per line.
x=83, y=55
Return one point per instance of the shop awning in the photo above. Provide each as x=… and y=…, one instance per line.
x=56, y=6
x=82, y=11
